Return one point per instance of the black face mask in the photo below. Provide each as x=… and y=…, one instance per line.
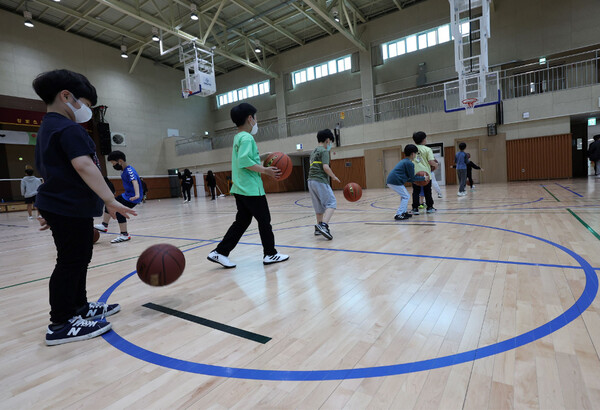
x=118, y=167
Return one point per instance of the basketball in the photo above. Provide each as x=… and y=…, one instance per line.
x=96, y=236
x=352, y=192
x=160, y=265
x=281, y=161
x=421, y=183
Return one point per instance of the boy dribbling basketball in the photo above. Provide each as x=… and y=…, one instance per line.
x=250, y=198
x=71, y=195
x=323, y=200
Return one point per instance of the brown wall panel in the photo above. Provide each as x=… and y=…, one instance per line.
x=355, y=172
x=449, y=153
x=539, y=158
x=158, y=187
x=374, y=168
x=295, y=182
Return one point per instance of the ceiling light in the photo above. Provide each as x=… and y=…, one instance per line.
x=194, y=15
x=155, y=34
x=124, y=51
x=257, y=50
x=28, y=22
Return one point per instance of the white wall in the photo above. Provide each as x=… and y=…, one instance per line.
x=142, y=104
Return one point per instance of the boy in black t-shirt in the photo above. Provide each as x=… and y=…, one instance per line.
x=72, y=194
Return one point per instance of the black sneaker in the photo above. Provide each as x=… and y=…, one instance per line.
x=324, y=230
x=401, y=217
x=408, y=215
x=317, y=232
x=76, y=329
x=431, y=210
x=97, y=310
x=415, y=211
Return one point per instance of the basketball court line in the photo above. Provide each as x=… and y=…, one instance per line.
x=255, y=337
x=544, y=186
x=589, y=228
x=573, y=312
x=570, y=190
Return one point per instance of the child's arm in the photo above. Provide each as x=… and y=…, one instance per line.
x=89, y=172
x=136, y=188
x=273, y=172
x=410, y=172
x=22, y=188
x=329, y=172
x=474, y=165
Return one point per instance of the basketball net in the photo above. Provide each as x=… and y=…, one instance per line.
x=469, y=104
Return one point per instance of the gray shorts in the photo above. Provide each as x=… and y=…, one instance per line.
x=321, y=195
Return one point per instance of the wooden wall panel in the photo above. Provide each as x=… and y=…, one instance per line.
x=374, y=168
x=353, y=173
x=539, y=158
x=158, y=187
x=295, y=182
x=222, y=182
x=449, y=153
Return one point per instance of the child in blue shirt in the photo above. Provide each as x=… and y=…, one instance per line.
x=71, y=195
x=460, y=161
x=130, y=198
x=402, y=173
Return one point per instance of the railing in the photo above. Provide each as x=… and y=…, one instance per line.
x=419, y=101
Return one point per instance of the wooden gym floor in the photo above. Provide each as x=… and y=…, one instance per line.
x=490, y=303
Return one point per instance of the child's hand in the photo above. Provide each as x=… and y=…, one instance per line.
x=336, y=179
x=427, y=178
x=44, y=225
x=273, y=172
x=112, y=206
x=134, y=198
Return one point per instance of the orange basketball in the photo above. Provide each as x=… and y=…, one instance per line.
x=281, y=161
x=352, y=192
x=96, y=235
x=160, y=265
x=421, y=183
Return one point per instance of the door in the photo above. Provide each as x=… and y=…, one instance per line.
x=579, y=149
x=438, y=154
x=391, y=157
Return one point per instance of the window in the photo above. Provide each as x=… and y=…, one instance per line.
x=243, y=93
x=444, y=34
x=411, y=44
x=464, y=29
x=322, y=70
x=420, y=41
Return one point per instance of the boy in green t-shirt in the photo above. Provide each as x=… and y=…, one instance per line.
x=321, y=193
x=250, y=199
x=424, y=161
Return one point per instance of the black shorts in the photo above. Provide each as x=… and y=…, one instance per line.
x=123, y=201
x=30, y=200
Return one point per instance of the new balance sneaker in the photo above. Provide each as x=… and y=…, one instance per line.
x=401, y=217
x=278, y=257
x=76, y=329
x=121, y=238
x=431, y=210
x=222, y=260
x=415, y=211
x=101, y=228
x=324, y=230
x=98, y=310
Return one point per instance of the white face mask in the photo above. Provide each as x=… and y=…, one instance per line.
x=254, y=128
x=82, y=114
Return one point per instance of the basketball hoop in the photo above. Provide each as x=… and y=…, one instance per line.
x=469, y=104
x=186, y=93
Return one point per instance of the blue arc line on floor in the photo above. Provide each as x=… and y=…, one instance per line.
x=581, y=304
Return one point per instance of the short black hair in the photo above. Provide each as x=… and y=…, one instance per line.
x=410, y=149
x=29, y=172
x=324, y=135
x=47, y=85
x=462, y=146
x=117, y=155
x=239, y=113
x=596, y=137
x=419, y=137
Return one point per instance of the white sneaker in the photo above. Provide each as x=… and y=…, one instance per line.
x=30, y=217
x=440, y=196
x=121, y=238
x=222, y=260
x=101, y=228
x=278, y=257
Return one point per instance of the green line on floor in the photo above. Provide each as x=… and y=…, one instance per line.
x=589, y=228
x=558, y=200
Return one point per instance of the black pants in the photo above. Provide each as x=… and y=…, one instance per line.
x=428, y=197
x=248, y=207
x=74, y=239
x=212, y=191
x=120, y=218
x=187, y=192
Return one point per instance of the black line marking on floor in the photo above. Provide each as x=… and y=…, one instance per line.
x=209, y=323
x=400, y=223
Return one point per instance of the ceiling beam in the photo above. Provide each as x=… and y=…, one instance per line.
x=213, y=21
x=356, y=10
x=313, y=19
x=87, y=13
x=327, y=17
x=147, y=18
x=268, y=22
